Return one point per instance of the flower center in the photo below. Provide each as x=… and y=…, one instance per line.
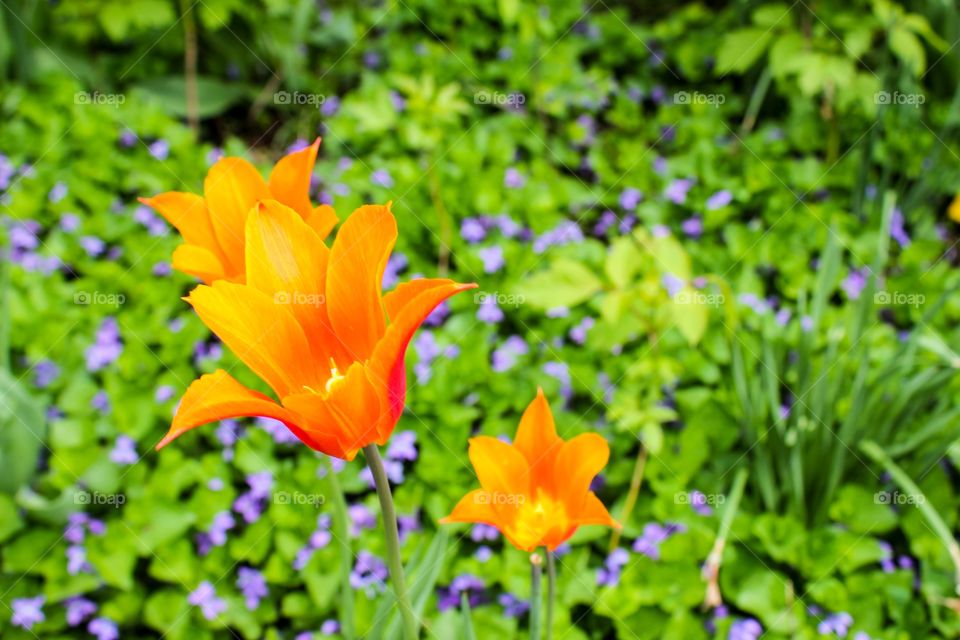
x=335, y=378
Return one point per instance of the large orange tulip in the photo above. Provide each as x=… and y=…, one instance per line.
x=536, y=491
x=313, y=324
x=212, y=225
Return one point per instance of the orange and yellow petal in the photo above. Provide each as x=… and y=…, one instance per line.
x=538, y=441
x=354, y=277
x=322, y=219
x=231, y=189
x=218, y=396
x=262, y=333
x=592, y=511
x=289, y=181
x=409, y=305
x=473, y=507
x=577, y=463
x=502, y=470
x=198, y=261
x=188, y=214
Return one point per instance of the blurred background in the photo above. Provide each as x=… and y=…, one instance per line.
x=723, y=235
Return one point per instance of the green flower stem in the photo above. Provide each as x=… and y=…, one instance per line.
x=536, y=570
x=394, y=562
x=551, y=591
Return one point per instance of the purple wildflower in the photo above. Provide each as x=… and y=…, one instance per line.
x=253, y=586
x=719, y=200
x=492, y=258
x=159, y=149
x=472, y=230
x=513, y=179
x=107, y=346
x=382, y=178
x=897, y=231
x=566, y=232
x=79, y=609
x=369, y=573
x=745, y=629
x=854, y=284
x=103, y=629
x=561, y=372
x=579, y=333
x=396, y=263
x=505, y=356
x=205, y=597
x=630, y=198
x=44, y=373
x=27, y=611
x=58, y=192
x=124, y=450
x=693, y=227
x=677, y=190
x=837, y=623
x=513, y=607
x=489, y=312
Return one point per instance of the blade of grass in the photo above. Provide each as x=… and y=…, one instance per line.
x=340, y=529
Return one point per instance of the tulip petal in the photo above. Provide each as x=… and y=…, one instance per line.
x=264, y=335
x=350, y=409
x=354, y=276
x=232, y=187
x=322, y=220
x=502, y=470
x=473, y=507
x=288, y=261
x=394, y=301
x=387, y=363
x=592, y=511
x=198, y=261
x=218, y=396
x=290, y=179
x=577, y=463
x=537, y=440
x=188, y=214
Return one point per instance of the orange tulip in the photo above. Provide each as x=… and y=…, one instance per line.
x=536, y=491
x=212, y=226
x=312, y=323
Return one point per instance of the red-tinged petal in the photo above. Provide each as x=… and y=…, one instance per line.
x=218, y=396
x=557, y=537
x=592, y=511
x=348, y=407
x=288, y=261
x=198, y=261
x=537, y=440
x=394, y=301
x=290, y=179
x=232, y=187
x=577, y=464
x=322, y=220
x=355, y=275
x=387, y=363
x=187, y=212
x=263, y=334
x=502, y=470
x=473, y=507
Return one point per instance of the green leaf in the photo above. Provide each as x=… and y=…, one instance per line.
x=565, y=284
x=623, y=261
x=741, y=49
x=690, y=313
x=22, y=433
x=213, y=96
x=906, y=46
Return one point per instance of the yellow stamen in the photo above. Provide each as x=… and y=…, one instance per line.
x=335, y=376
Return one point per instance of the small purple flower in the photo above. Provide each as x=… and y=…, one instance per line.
x=330, y=106
x=630, y=198
x=69, y=222
x=567, y=232
x=745, y=629
x=360, y=518
x=77, y=560
x=159, y=149
x=369, y=573
x=609, y=574
x=58, y=192
x=78, y=610
x=513, y=179
x=693, y=227
x=403, y=446
x=607, y=220
x=127, y=138
x=698, y=501
x=449, y=597
x=561, y=372
x=330, y=627
x=162, y=269
x=484, y=532
x=783, y=316
x=492, y=258
x=897, y=231
x=396, y=263
x=677, y=190
x=382, y=178
x=472, y=230
x=579, y=333
x=489, y=311
x=205, y=597
x=164, y=392
x=505, y=356
x=124, y=450
x=719, y=200
x=672, y=284
x=854, y=284
x=44, y=373
x=513, y=607
x=838, y=623
x=806, y=323
x=103, y=629
x=107, y=346
x=253, y=586
x=398, y=101
x=217, y=533
x=27, y=611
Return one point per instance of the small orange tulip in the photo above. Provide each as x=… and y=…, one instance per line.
x=212, y=226
x=312, y=323
x=536, y=491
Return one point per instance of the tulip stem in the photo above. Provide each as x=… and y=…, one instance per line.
x=394, y=562
x=551, y=591
x=346, y=554
x=536, y=563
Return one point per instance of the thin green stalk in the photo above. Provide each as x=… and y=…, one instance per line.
x=551, y=591
x=4, y=314
x=711, y=569
x=394, y=563
x=536, y=571
x=340, y=529
x=906, y=483
x=756, y=100
x=635, y=481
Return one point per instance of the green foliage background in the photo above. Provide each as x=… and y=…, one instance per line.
x=812, y=116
